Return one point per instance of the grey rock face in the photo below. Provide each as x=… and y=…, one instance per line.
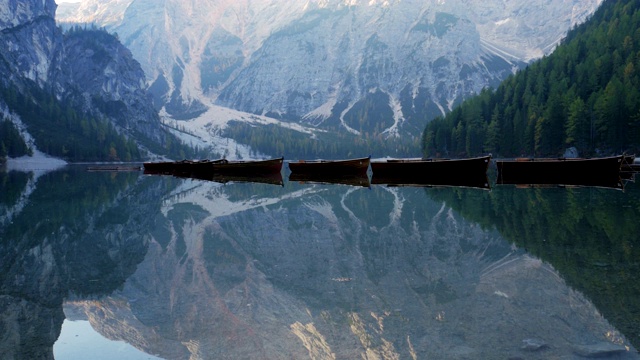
x=91, y=69
x=319, y=60
x=533, y=344
x=102, y=74
x=29, y=47
x=18, y=12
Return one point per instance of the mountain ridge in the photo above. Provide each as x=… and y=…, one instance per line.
x=583, y=96
x=79, y=94
x=285, y=60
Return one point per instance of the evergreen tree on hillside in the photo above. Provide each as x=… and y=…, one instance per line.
x=11, y=143
x=63, y=126
x=586, y=94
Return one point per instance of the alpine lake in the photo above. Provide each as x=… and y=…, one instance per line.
x=122, y=265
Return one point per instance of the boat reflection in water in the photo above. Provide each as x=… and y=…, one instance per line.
x=272, y=179
x=311, y=178
x=613, y=186
x=476, y=182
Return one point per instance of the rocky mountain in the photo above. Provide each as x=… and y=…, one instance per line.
x=363, y=67
x=99, y=68
x=29, y=47
x=83, y=71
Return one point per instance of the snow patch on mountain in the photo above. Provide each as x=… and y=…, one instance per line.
x=398, y=117
x=206, y=131
x=38, y=164
x=102, y=12
x=317, y=60
x=323, y=112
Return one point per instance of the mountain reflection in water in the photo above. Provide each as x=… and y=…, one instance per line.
x=183, y=268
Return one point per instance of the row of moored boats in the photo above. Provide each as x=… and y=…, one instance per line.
x=467, y=172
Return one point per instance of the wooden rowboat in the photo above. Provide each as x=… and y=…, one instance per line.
x=331, y=168
x=113, y=168
x=207, y=168
x=471, y=172
x=248, y=167
x=603, y=172
x=189, y=167
x=159, y=167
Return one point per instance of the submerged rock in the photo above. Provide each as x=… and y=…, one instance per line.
x=533, y=344
x=571, y=152
x=600, y=350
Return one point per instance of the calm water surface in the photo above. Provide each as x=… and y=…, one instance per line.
x=128, y=266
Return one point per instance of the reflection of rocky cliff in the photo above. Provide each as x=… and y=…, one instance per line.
x=84, y=245
x=334, y=272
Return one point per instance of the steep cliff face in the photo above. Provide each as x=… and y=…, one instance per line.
x=29, y=42
x=326, y=62
x=101, y=74
x=87, y=68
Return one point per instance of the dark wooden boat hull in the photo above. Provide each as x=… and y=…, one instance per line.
x=189, y=167
x=470, y=172
x=351, y=180
x=209, y=168
x=329, y=168
x=248, y=168
x=162, y=167
x=604, y=172
x=115, y=168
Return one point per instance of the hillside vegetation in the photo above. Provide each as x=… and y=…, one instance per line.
x=584, y=95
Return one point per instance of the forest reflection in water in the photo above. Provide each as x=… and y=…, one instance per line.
x=184, y=268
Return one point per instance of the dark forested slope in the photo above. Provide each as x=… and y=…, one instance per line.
x=586, y=95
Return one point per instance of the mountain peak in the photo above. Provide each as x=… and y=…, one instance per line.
x=328, y=63
x=19, y=12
